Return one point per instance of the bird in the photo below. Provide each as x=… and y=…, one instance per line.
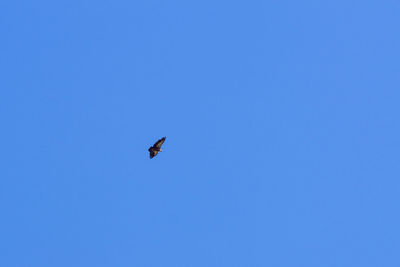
x=156, y=147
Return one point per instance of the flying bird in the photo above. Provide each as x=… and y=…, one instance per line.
x=156, y=147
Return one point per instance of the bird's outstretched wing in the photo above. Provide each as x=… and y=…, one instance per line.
x=159, y=143
x=153, y=152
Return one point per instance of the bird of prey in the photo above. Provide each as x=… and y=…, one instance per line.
x=156, y=147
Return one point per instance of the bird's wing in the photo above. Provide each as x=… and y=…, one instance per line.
x=159, y=143
x=153, y=152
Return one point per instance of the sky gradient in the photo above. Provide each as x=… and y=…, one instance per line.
x=282, y=125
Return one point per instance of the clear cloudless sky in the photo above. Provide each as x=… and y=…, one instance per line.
x=282, y=125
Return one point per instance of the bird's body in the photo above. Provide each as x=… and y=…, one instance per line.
x=156, y=147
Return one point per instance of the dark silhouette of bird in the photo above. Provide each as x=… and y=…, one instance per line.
x=156, y=148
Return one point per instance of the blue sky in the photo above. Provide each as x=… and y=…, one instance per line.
x=282, y=125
